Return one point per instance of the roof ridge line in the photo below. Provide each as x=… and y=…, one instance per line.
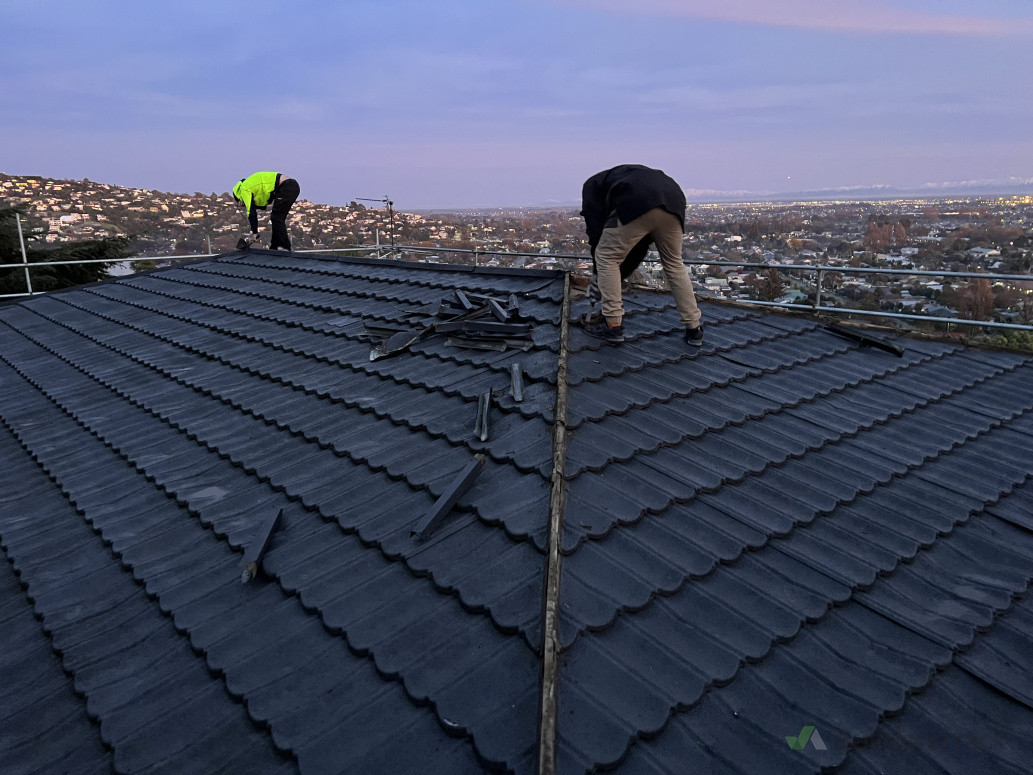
x=548, y=711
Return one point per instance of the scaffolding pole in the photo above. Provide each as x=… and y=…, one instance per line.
x=25, y=259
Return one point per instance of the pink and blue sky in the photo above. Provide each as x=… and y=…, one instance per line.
x=452, y=103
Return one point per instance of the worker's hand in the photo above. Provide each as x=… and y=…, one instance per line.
x=255, y=240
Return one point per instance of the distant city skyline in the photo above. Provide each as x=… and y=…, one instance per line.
x=459, y=103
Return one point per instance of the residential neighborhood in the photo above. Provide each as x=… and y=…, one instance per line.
x=745, y=252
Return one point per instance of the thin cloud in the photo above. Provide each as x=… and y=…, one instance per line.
x=834, y=15
x=770, y=97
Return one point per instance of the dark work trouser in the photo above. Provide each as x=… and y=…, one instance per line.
x=286, y=195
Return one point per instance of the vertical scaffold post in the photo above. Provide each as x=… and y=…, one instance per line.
x=25, y=259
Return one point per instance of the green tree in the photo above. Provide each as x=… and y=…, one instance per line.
x=976, y=300
x=50, y=278
x=768, y=285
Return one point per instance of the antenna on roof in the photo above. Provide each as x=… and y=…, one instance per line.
x=386, y=200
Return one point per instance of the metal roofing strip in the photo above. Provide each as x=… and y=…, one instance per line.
x=548, y=720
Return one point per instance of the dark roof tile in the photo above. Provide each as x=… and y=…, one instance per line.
x=778, y=529
x=46, y=727
x=119, y=646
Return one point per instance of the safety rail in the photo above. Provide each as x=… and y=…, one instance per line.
x=26, y=265
x=816, y=306
x=820, y=269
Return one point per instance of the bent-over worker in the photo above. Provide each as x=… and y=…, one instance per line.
x=256, y=191
x=625, y=209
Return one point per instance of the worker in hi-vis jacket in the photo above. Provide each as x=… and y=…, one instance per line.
x=255, y=192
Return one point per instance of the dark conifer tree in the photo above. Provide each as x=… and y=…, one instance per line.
x=50, y=278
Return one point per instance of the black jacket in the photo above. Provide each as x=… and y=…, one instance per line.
x=627, y=192
x=624, y=193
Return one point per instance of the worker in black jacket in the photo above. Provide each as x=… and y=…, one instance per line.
x=625, y=209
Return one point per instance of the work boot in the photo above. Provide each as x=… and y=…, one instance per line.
x=694, y=336
x=606, y=332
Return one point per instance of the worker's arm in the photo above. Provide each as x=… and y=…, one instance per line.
x=593, y=208
x=247, y=198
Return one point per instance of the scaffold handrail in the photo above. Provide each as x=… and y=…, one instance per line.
x=820, y=269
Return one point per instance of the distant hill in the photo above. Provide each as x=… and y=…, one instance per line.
x=163, y=223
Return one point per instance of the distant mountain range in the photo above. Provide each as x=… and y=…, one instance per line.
x=990, y=187
x=962, y=188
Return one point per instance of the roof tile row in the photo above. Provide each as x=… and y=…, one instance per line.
x=777, y=529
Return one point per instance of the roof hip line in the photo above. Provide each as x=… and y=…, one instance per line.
x=557, y=502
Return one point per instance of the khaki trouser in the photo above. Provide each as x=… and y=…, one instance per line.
x=613, y=248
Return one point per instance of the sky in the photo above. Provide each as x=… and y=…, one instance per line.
x=461, y=103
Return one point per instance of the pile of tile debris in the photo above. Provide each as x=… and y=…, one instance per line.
x=468, y=320
x=472, y=321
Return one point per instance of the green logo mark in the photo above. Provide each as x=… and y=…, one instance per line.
x=807, y=734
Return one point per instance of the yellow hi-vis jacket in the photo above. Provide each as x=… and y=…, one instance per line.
x=255, y=191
